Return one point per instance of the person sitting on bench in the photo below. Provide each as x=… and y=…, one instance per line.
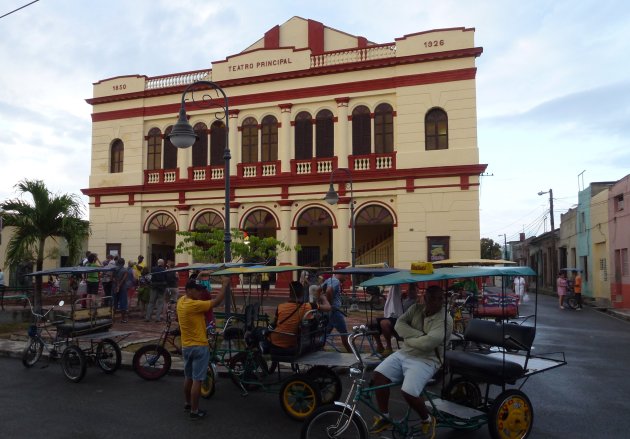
x=424, y=330
x=394, y=307
x=284, y=340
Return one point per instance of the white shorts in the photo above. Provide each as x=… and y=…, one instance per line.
x=413, y=372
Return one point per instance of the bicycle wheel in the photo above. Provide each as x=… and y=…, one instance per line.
x=326, y=422
x=33, y=352
x=464, y=392
x=248, y=369
x=73, y=363
x=511, y=416
x=299, y=396
x=572, y=302
x=328, y=382
x=208, y=384
x=151, y=362
x=108, y=355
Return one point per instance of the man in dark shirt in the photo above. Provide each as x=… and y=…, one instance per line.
x=158, y=289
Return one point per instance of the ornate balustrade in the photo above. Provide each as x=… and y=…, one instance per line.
x=155, y=176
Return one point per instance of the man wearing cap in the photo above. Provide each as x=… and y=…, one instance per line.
x=191, y=315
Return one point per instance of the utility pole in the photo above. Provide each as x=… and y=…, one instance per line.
x=554, y=258
x=554, y=262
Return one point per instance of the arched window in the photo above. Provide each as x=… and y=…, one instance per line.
x=170, y=151
x=208, y=220
x=200, y=147
x=117, y=156
x=324, y=134
x=383, y=129
x=161, y=222
x=249, y=140
x=361, y=131
x=436, y=129
x=154, y=149
x=303, y=136
x=217, y=143
x=269, y=141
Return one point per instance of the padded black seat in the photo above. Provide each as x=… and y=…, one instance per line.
x=84, y=327
x=483, y=367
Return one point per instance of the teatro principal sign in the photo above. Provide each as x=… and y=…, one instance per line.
x=261, y=62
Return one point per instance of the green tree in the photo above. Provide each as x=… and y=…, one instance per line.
x=46, y=215
x=207, y=245
x=490, y=249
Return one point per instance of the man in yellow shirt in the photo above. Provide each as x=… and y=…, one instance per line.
x=192, y=324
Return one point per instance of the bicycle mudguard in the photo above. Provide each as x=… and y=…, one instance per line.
x=348, y=407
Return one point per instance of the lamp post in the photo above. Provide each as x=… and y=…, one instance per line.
x=333, y=198
x=505, y=252
x=183, y=136
x=554, y=268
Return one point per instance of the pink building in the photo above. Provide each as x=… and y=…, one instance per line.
x=619, y=236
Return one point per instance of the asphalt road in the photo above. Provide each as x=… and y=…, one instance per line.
x=588, y=398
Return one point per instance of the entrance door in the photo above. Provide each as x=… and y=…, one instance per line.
x=160, y=251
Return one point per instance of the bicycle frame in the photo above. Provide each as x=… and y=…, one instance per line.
x=41, y=326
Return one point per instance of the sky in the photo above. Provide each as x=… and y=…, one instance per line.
x=553, y=83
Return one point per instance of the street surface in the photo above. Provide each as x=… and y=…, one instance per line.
x=588, y=398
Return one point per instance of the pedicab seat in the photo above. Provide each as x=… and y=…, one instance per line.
x=311, y=336
x=493, y=369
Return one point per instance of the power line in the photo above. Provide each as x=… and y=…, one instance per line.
x=21, y=7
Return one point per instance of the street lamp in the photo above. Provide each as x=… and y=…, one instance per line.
x=183, y=136
x=333, y=198
x=554, y=258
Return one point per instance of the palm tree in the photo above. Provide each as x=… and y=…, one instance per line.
x=48, y=216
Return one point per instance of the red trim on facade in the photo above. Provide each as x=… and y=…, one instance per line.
x=316, y=37
x=302, y=93
x=341, y=101
x=362, y=42
x=290, y=179
x=233, y=112
x=326, y=70
x=409, y=186
x=284, y=203
x=131, y=200
x=182, y=197
x=272, y=38
x=234, y=205
x=322, y=206
x=97, y=201
x=284, y=107
x=464, y=182
x=184, y=207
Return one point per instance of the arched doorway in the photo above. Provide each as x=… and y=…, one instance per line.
x=314, y=227
x=374, y=235
x=161, y=228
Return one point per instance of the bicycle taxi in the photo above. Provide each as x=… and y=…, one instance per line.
x=77, y=335
x=483, y=385
x=304, y=379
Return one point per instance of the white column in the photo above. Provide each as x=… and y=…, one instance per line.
x=235, y=151
x=341, y=235
x=286, y=235
x=342, y=137
x=182, y=218
x=183, y=161
x=284, y=137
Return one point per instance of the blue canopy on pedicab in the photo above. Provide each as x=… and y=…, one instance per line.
x=70, y=270
x=209, y=266
x=406, y=277
x=260, y=269
x=374, y=271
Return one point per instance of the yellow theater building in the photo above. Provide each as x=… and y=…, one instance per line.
x=304, y=100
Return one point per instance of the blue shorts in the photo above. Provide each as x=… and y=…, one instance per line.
x=337, y=321
x=196, y=359
x=413, y=372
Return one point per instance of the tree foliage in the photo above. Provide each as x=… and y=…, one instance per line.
x=207, y=245
x=45, y=215
x=490, y=249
